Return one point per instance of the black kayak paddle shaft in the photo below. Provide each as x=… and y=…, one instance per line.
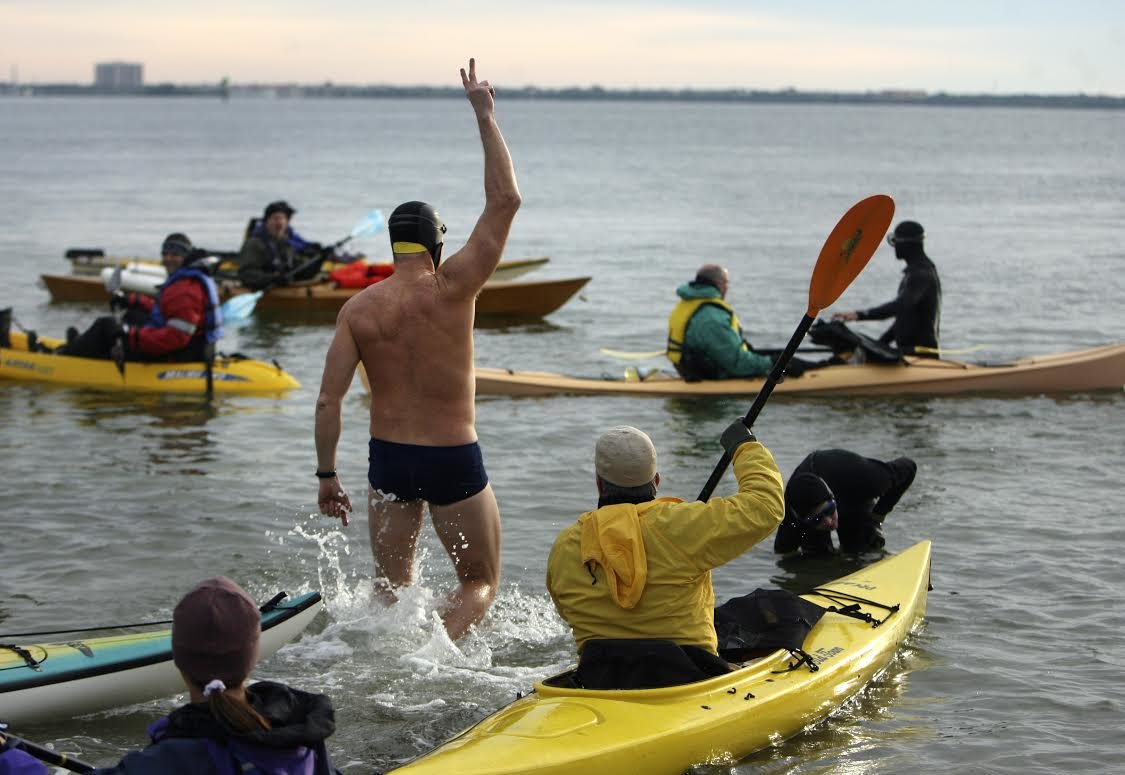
x=775, y=376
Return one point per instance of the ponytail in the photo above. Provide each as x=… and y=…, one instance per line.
x=234, y=712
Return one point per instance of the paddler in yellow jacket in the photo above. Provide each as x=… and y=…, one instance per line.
x=705, y=339
x=638, y=566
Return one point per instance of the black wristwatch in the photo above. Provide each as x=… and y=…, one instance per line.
x=326, y=474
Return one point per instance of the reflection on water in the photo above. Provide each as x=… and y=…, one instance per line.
x=696, y=420
x=169, y=431
x=799, y=574
x=861, y=735
x=264, y=332
x=507, y=325
x=296, y=317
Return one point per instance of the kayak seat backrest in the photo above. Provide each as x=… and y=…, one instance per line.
x=643, y=664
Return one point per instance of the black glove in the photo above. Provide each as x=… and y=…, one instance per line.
x=735, y=436
x=119, y=300
x=795, y=368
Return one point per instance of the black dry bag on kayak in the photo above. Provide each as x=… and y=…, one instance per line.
x=763, y=621
x=852, y=345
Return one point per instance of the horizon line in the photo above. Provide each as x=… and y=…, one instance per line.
x=328, y=84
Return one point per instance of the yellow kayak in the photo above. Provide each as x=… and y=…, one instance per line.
x=229, y=375
x=556, y=730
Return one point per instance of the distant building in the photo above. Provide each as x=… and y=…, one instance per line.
x=118, y=76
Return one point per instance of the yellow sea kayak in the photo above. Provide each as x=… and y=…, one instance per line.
x=556, y=730
x=229, y=375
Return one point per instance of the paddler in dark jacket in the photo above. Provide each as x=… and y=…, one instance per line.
x=274, y=255
x=834, y=489
x=705, y=338
x=639, y=567
x=175, y=326
x=917, y=307
x=228, y=727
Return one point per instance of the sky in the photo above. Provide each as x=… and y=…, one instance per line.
x=955, y=46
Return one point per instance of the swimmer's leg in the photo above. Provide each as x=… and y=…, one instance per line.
x=470, y=532
x=393, y=527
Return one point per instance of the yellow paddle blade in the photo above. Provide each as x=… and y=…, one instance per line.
x=848, y=249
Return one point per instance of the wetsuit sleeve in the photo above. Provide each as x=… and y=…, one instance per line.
x=911, y=292
x=902, y=473
x=253, y=261
x=788, y=537
x=186, y=301
x=724, y=347
x=713, y=533
x=791, y=537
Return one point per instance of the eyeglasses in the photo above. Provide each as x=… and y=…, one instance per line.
x=814, y=518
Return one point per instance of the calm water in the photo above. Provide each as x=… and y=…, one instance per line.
x=114, y=505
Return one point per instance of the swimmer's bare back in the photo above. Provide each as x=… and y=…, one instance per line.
x=414, y=335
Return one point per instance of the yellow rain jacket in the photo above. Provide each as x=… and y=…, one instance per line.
x=644, y=570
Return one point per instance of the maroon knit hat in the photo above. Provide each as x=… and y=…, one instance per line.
x=215, y=631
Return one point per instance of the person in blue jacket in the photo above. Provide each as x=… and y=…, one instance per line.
x=228, y=727
x=180, y=324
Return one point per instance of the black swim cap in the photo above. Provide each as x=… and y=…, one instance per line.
x=413, y=225
x=906, y=231
x=804, y=493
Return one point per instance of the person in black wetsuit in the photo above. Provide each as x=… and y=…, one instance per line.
x=917, y=307
x=834, y=489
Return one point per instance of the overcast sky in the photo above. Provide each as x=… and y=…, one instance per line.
x=958, y=46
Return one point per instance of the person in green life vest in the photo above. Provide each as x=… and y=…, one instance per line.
x=705, y=339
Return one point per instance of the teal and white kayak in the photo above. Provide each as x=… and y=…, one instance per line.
x=42, y=682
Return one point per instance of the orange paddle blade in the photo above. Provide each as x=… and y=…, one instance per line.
x=848, y=249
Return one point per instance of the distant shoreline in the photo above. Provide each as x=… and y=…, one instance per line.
x=784, y=96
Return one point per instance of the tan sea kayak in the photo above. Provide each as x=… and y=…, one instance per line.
x=1098, y=368
x=91, y=263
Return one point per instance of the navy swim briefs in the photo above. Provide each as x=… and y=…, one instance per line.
x=437, y=475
